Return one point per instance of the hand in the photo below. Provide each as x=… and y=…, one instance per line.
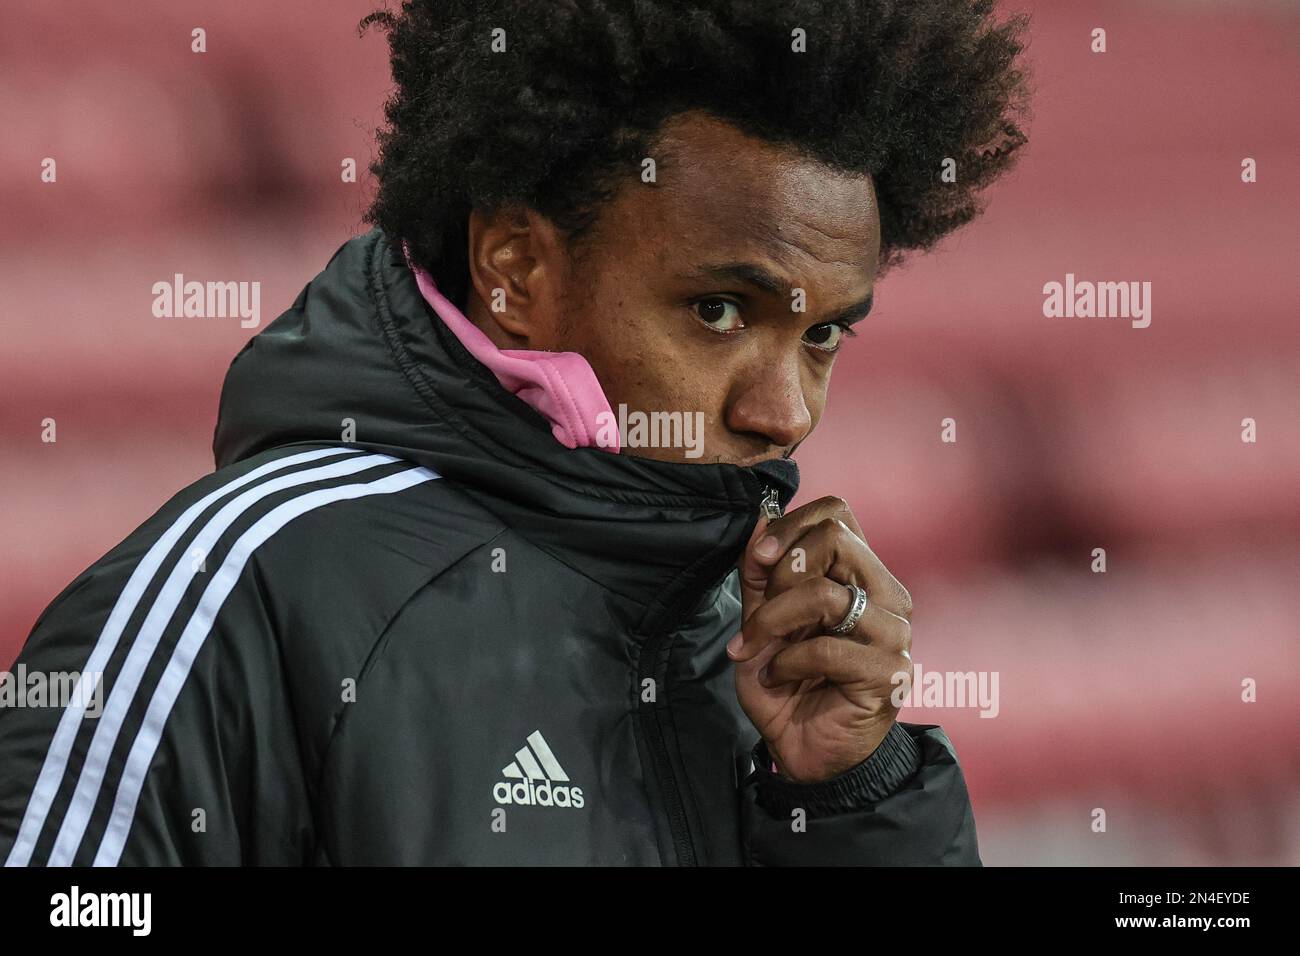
x=823, y=702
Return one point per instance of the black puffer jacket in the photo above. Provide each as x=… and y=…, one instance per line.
x=402, y=624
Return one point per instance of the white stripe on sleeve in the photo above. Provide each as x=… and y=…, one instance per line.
x=196, y=631
x=109, y=724
x=56, y=758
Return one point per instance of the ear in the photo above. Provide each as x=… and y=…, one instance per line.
x=516, y=262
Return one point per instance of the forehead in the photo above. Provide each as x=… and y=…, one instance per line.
x=721, y=194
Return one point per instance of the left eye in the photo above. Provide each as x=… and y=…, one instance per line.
x=721, y=315
x=827, y=336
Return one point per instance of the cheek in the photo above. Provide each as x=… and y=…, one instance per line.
x=816, y=385
x=644, y=361
x=627, y=351
x=816, y=389
x=625, y=356
x=688, y=374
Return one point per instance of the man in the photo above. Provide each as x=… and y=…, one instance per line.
x=433, y=607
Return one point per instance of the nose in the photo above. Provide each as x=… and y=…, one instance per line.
x=768, y=401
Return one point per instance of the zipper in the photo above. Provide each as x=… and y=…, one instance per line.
x=656, y=734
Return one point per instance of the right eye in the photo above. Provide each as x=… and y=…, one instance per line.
x=714, y=313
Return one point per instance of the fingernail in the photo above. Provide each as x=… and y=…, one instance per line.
x=735, y=644
x=767, y=548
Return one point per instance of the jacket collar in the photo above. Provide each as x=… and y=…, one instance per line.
x=361, y=343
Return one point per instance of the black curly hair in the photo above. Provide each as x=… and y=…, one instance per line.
x=566, y=112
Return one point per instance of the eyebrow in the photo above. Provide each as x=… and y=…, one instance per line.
x=755, y=275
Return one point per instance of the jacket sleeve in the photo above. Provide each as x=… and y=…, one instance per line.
x=905, y=805
x=145, y=722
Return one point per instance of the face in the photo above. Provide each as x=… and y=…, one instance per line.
x=726, y=288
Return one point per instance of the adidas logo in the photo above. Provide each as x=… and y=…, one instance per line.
x=536, y=779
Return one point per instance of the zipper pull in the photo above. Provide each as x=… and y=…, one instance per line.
x=771, y=503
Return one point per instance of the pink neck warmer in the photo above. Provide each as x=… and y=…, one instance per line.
x=561, y=385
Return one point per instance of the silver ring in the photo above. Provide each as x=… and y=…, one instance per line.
x=855, y=612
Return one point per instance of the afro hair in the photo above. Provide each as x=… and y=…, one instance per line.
x=553, y=105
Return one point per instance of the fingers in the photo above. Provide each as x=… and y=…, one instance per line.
x=771, y=540
x=832, y=549
x=812, y=607
x=789, y=528
x=842, y=662
x=753, y=576
x=845, y=663
x=821, y=540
